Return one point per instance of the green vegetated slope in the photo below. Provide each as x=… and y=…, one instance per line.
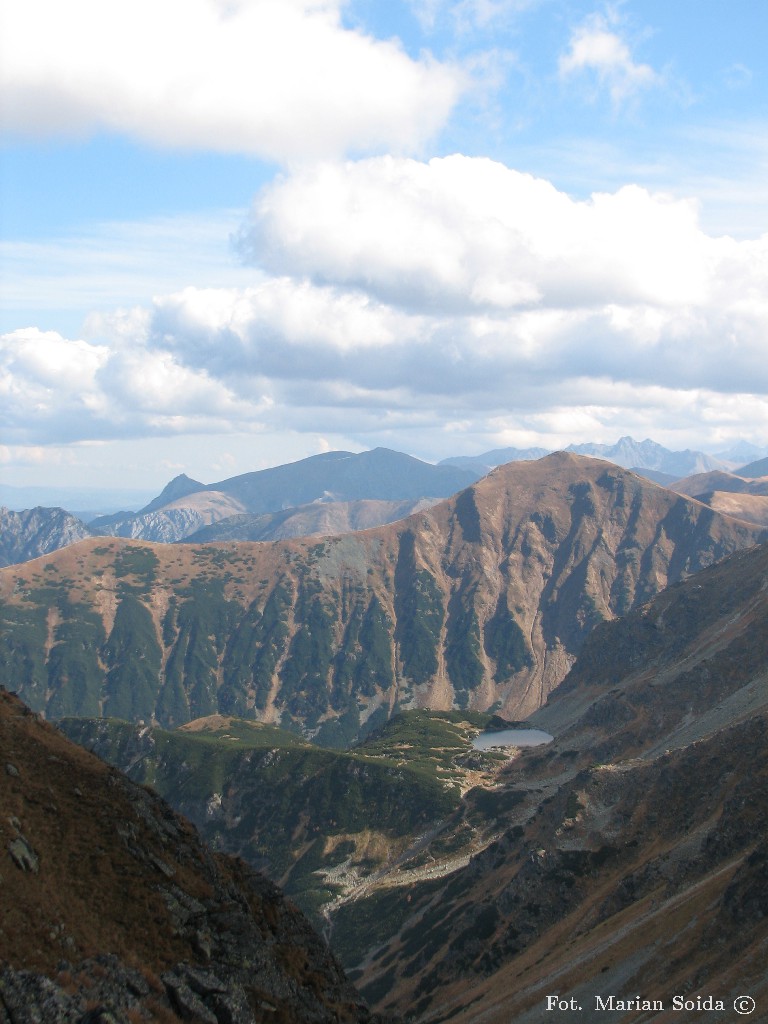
x=632, y=852
x=320, y=822
x=481, y=602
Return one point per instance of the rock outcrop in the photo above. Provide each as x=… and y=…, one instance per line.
x=37, y=531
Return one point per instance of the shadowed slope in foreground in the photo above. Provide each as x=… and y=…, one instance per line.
x=109, y=900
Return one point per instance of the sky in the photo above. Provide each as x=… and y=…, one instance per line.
x=235, y=233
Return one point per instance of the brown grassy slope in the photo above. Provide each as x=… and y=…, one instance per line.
x=752, y=508
x=729, y=494
x=92, y=864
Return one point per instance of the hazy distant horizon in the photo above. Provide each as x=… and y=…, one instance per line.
x=125, y=497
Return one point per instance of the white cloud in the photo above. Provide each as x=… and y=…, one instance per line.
x=469, y=234
x=595, y=49
x=398, y=296
x=282, y=79
x=54, y=390
x=467, y=14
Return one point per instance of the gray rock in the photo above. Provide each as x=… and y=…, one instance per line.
x=12, y=770
x=224, y=999
x=27, y=998
x=186, y=1002
x=23, y=856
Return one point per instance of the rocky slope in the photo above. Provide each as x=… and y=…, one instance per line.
x=173, y=521
x=323, y=519
x=37, y=531
x=112, y=910
x=632, y=855
x=481, y=602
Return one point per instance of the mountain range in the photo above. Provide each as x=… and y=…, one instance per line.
x=626, y=452
x=355, y=492
x=378, y=475
x=628, y=858
x=481, y=602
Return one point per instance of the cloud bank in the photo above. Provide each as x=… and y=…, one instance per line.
x=455, y=296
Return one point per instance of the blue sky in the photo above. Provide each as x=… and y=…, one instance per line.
x=238, y=232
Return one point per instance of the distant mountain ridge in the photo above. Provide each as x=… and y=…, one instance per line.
x=484, y=463
x=649, y=455
x=323, y=519
x=379, y=475
x=37, y=531
x=480, y=602
x=755, y=469
x=625, y=452
x=180, y=487
x=186, y=506
x=732, y=494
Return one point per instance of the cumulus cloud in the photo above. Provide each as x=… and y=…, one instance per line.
x=282, y=79
x=468, y=234
x=468, y=288
x=598, y=51
x=56, y=389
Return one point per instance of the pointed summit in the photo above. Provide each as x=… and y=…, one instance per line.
x=179, y=487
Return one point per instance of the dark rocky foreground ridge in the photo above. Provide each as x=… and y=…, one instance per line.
x=482, y=602
x=113, y=911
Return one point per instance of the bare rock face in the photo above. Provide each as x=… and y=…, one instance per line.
x=482, y=601
x=112, y=910
x=37, y=531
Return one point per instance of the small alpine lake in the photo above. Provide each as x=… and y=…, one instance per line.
x=511, y=738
